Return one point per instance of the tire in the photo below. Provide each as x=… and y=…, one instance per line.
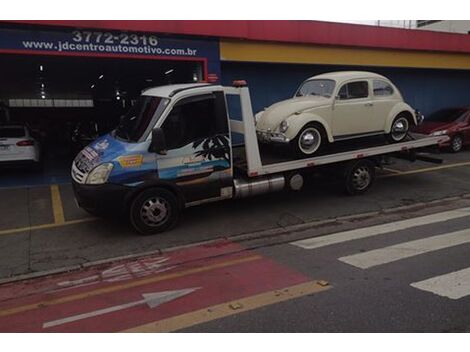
x=399, y=129
x=310, y=140
x=456, y=144
x=153, y=211
x=359, y=175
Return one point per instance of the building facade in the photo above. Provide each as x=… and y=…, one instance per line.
x=57, y=74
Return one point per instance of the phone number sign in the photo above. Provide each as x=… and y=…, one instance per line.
x=101, y=42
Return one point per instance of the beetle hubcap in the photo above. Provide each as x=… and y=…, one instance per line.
x=361, y=178
x=400, y=129
x=309, y=140
x=155, y=211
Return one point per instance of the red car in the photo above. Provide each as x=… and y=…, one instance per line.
x=453, y=122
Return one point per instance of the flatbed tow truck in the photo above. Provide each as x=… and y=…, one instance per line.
x=174, y=150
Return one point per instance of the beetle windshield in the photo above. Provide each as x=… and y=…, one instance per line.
x=136, y=121
x=321, y=87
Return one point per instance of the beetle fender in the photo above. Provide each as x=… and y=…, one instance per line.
x=297, y=122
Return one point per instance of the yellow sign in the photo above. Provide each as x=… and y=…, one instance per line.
x=249, y=51
x=131, y=160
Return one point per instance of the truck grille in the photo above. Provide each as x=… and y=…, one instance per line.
x=77, y=175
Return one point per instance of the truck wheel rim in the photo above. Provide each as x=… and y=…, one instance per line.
x=361, y=178
x=155, y=211
x=456, y=144
x=309, y=140
x=400, y=128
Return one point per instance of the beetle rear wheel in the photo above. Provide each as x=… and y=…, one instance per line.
x=399, y=129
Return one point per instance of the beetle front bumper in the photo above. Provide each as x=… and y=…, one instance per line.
x=272, y=137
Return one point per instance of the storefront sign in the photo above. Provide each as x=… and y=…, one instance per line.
x=99, y=43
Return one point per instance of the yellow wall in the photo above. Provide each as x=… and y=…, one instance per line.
x=314, y=54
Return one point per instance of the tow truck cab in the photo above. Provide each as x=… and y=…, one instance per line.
x=172, y=148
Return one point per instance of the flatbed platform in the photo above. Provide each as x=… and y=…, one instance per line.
x=279, y=159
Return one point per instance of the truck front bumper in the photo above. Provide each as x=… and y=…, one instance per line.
x=101, y=199
x=272, y=137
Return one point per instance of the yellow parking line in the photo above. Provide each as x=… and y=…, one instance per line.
x=428, y=169
x=230, y=308
x=44, y=226
x=392, y=170
x=120, y=287
x=57, y=207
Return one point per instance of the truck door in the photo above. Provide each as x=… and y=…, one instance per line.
x=198, y=155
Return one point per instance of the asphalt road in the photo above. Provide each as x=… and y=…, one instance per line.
x=385, y=274
x=39, y=231
x=378, y=298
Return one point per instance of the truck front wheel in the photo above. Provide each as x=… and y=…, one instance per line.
x=153, y=211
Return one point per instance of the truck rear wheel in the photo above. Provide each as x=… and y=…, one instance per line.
x=153, y=211
x=359, y=175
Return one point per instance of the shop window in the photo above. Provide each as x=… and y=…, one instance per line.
x=354, y=90
x=195, y=118
x=382, y=88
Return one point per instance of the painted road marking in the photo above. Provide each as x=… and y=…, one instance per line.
x=365, y=232
x=153, y=300
x=45, y=226
x=427, y=169
x=391, y=170
x=454, y=285
x=230, y=308
x=406, y=249
x=57, y=208
x=123, y=286
x=121, y=272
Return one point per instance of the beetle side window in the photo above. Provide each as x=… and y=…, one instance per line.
x=354, y=90
x=382, y=88
x=194, y=119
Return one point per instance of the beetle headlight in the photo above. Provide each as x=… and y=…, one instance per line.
x=439, y=133
x=283, y=126
x=99, y=174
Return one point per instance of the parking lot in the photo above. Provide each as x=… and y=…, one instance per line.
x=43, y=229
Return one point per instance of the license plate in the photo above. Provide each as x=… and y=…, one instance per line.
x=4, y=147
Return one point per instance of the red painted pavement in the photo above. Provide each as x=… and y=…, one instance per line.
x=217, y=285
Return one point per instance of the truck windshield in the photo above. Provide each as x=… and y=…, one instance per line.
x=135, y=122
x=321, y=87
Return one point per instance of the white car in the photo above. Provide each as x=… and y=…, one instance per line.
x=18, y=146
x=337, y=106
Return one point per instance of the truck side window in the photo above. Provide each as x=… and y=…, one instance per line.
x=195, y=118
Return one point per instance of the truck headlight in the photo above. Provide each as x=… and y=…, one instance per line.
x=439, y=133
x=283, y=126
x=99, y=174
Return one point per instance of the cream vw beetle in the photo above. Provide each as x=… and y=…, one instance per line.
x=337, y=106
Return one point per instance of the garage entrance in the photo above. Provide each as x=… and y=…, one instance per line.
x=66, y=102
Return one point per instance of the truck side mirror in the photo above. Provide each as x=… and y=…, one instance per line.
x=158, y=143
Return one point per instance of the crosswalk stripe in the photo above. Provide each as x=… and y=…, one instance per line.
x=453, y=285
x=355, y=234
x=406, y=249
